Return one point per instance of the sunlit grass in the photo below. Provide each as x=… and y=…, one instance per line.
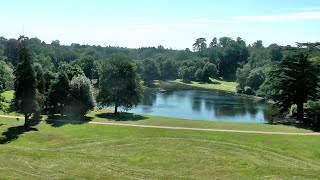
x=221, y=85
x=87, y=151
x=127, y=118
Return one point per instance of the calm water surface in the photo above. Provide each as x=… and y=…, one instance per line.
x=202, y=105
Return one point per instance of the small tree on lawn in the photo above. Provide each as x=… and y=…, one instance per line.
x=81, y=95
x=119, y=83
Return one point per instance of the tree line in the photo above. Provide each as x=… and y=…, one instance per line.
x=59, y=74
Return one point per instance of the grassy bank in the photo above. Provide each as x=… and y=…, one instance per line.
x=77, y=151
x=215, y=85
x=128, y=118
x=226, y=87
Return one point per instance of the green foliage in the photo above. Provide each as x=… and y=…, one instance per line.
x=40, y=78
x=292, y=81
x=49, y=77
x=275, y=52
x=11, y=51
x=209, y=71
x=242, y=74
x=25, y=82
x=119, y=83
x=89, y=67
x=6, y=76
x=168, y=69
x=199, y=75
x=150, y=72
x=313, y=112
x=58, y=95
x=232, y=54
x=200, y=46
x=184, y=74
x=255, y=78
x=45, y=61
x=70, y=69
x=258, y=44
x=80, y=96
x=197, y=69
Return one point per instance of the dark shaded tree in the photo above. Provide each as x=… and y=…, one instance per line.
x=58, y=95
x=200, y=46
x=25, y=82
x=275, y=52
x=292, y=81
x=150, y=72
x=12, y=51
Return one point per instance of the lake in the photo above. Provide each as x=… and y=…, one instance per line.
x=203, y=105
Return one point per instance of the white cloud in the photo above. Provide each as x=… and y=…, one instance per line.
x=277, y=17
x=302, y=9
x=280, y=17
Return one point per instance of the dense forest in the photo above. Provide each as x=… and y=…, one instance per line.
x=74, y=78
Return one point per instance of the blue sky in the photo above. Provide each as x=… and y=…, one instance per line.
x=172, y=23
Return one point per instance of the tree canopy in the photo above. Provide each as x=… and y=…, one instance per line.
x=292, y=81
x=119, y=83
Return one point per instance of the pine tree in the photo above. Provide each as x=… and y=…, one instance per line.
x=292, y=81
x=25, y=82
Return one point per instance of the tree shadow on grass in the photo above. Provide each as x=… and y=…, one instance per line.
x=307, y=125
x=58, y=120
x=13, y=133
x=123, y=116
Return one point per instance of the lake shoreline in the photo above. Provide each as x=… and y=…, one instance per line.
x=174, y=86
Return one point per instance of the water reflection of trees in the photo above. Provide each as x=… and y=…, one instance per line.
x=231, y=107
x=206, y=102
x=148, y=98
x=196, y=103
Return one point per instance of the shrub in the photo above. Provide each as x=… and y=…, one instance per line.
x=81, y=96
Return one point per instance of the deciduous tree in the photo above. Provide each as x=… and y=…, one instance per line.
x=119, y=83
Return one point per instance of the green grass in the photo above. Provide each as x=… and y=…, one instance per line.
x=222, y=86
x=87, y=151
x=127, y=118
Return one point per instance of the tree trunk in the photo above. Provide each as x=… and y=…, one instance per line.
x=26, y=120
x=300, y=111
x=116, y=109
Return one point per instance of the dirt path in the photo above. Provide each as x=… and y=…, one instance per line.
x=185, y=128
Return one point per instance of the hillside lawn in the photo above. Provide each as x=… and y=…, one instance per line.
x=220, y=85
x=80, y=150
